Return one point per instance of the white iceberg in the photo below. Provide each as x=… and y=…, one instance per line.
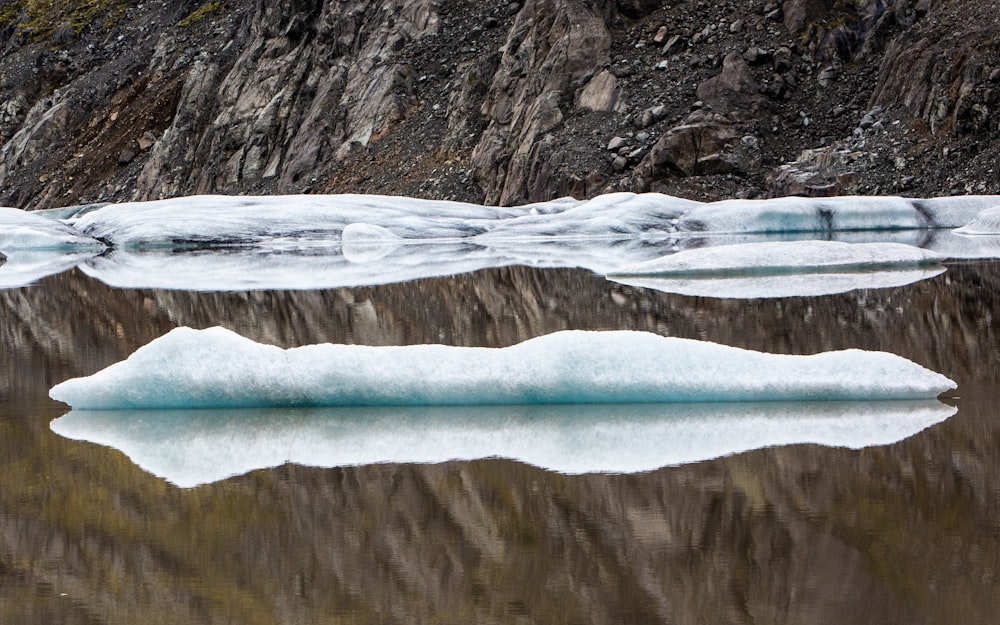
x=308, y=220
x=193, y=447
x=281, y=221
x=797, y=214
x=22, y=230
x=987, y=222
x=217, y=368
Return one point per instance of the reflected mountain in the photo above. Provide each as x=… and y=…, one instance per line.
x=193, y=447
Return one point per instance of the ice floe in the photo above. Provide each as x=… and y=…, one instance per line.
x=797, y=214
x=23, y=230
x=311, y=220
x=217, y=368
x=193, y=447
x=222, y=243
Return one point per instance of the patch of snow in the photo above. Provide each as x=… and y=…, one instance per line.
x=216, y=368
x=193, y=447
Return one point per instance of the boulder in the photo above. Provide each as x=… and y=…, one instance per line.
x=600, y=94
x=734, y=89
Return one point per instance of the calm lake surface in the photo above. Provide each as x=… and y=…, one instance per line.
x=902, y=533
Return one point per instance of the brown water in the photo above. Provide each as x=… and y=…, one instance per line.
x=904, y=533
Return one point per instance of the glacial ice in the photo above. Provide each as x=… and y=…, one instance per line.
x=796, y=214
x=194, y=447
x=987, y=222
x=23, y=230
x=223, y=243
x=308, y=220
x=217, y=368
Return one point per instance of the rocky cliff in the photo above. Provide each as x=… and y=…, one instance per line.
x=496, y=103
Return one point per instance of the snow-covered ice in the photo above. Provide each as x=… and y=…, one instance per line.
x=193, y=447
x=217, y=368
x=23, y=230
x=220, y=243
x=797, y=214
x=281, y=221
x=289, y=221
x=987, y=222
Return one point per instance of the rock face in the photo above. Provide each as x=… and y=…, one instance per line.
x=498, y=104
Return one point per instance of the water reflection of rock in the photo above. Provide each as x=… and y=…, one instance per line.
x=896, y=534
x=70, y=325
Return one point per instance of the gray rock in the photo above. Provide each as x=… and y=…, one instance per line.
x=674, y=45
x=682, y=151
x=756, y=56
x=735, y=88
x=600, y=94
x=615, y=143
x=799, y=14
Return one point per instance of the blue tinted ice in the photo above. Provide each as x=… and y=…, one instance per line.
x=216, y=368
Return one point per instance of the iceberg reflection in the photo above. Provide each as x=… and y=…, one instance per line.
x=805, y=285
x=193, y=447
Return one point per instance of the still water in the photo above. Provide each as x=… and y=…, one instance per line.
x=907, y=532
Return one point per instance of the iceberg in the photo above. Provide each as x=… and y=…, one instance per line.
x=22, y=230
x=987, y=222
x=308, y=220
x=193, y=447
x=282, y=221
x=797, y=214
x=217, y=368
